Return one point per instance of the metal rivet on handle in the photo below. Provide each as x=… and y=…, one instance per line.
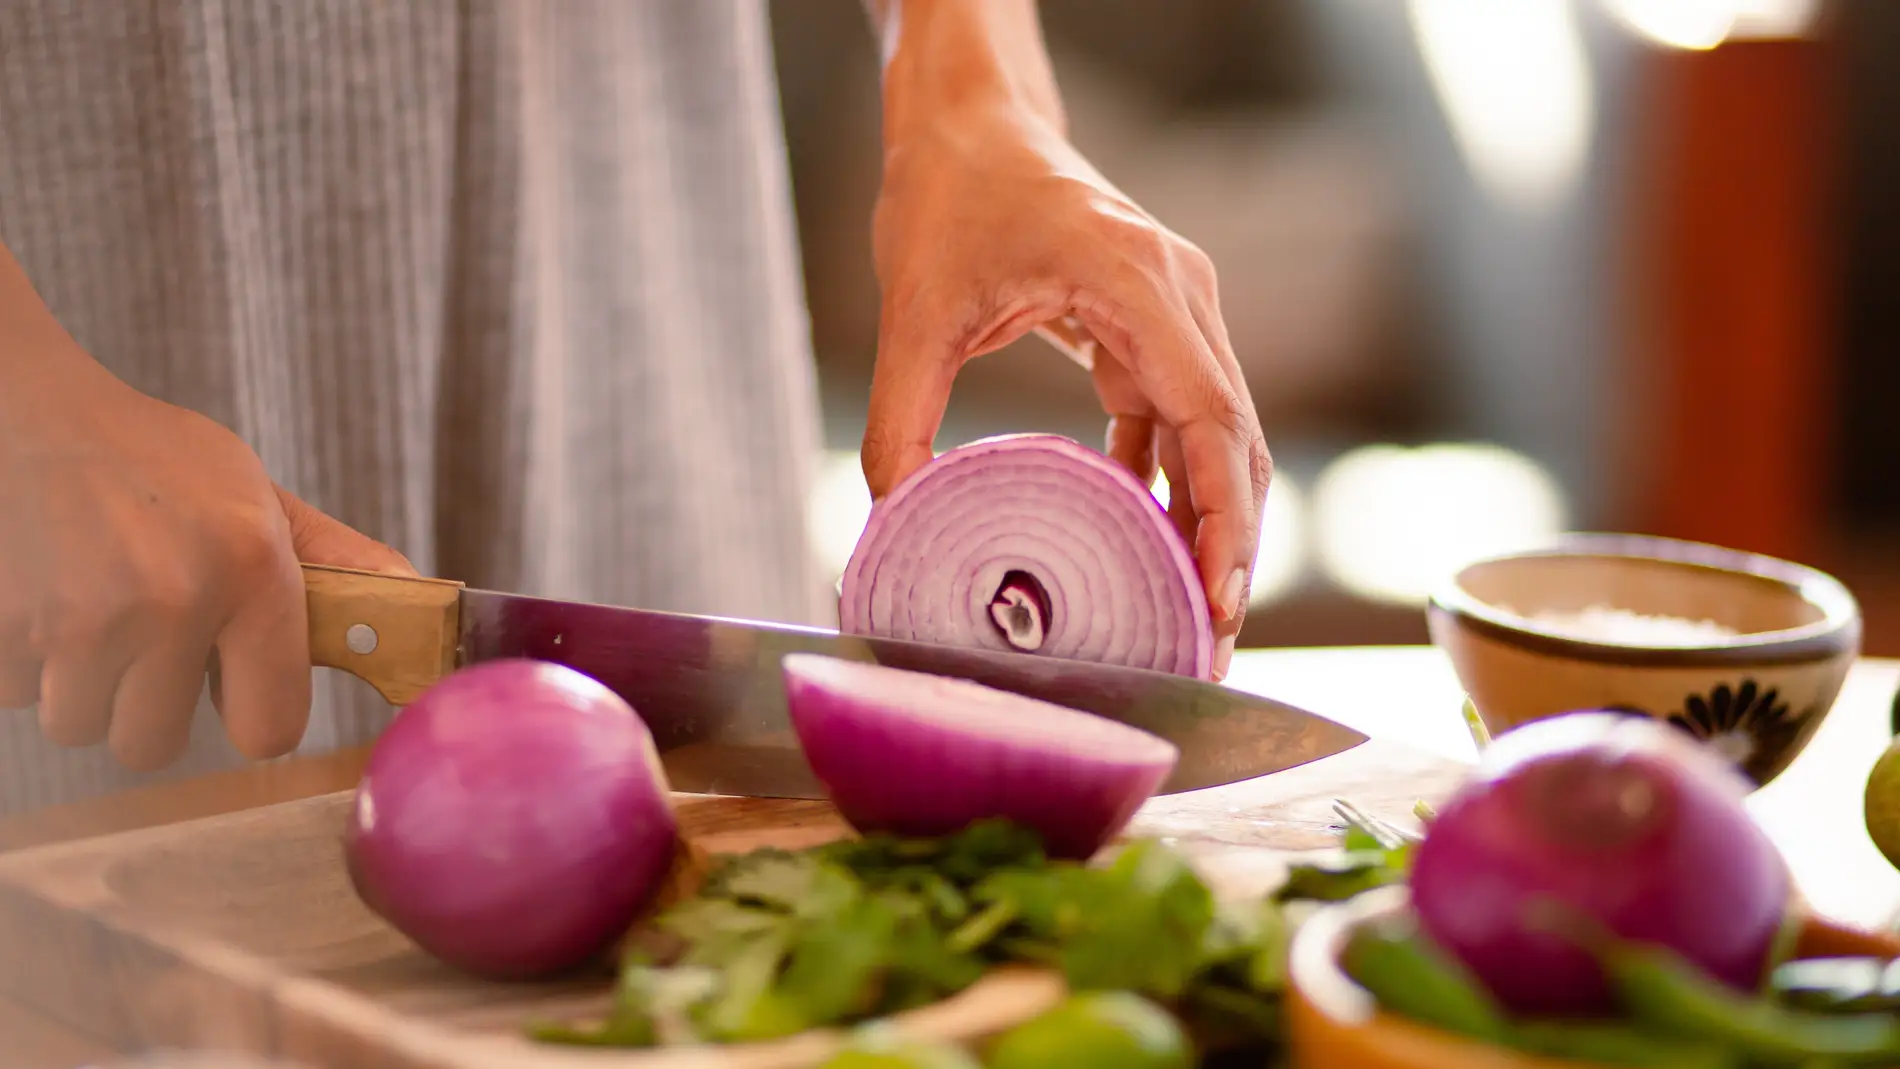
x=361, y=639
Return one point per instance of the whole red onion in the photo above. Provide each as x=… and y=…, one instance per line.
x=513, y=820
x=1622, y=820
x=1031, y=543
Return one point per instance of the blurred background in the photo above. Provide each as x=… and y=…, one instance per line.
x=1495, y=269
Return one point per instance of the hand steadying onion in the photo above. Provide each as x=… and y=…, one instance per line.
x=1034, y=544
x=1625, y=824
x=513, y=820
x=922, y=755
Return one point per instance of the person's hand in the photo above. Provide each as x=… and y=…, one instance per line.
x=142, y=545
x=990, y=225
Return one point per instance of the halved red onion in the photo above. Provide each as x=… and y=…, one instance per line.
x=513, y=820
x=1032, y=543
x=917, y=754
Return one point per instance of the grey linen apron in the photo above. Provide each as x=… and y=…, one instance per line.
x=511, y=285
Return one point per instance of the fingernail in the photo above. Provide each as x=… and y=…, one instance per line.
x=1230, y=594
x=1223, y=657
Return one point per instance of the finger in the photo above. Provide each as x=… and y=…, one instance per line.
x=76, y=688
x=1180, y=505
x=19, y=684
x=1206, y=310
x=1163, y=348
x=1205, y=305
x=322, y=539
x=1131, y=421
x=156, y=701
x=263, y=655
x=1181, y=511
x=910, y=388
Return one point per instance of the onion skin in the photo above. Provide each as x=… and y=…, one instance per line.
x=944, y=556
x=1624, y=821
x=512, y=821
x=921, y=755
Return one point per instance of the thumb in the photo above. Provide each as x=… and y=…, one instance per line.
x=320, y=539
x=910, y=388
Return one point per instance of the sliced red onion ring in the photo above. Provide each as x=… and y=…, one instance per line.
x=916, y=754
x=1030, y=543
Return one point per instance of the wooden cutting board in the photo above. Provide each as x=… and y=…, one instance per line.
x=241, y=932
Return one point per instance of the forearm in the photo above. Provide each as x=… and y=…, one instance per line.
x=945, y=57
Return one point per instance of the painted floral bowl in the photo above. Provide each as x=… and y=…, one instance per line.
x=1744, y=651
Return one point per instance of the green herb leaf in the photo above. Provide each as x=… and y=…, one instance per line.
x=777, y=942
x=1140, y=927
x=1344, y=876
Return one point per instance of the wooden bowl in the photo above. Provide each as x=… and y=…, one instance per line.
x=1333, y=1023
x=1521, y=637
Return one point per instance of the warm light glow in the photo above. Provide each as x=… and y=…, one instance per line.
x=1280, y=562
x=1391, y=523
x=1513, y=80
x=1703, y=24
x=840, y=507
x=1768, y=19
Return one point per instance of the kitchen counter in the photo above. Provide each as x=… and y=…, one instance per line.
x=1400, y=694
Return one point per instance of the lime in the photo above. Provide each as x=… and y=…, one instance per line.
x=881, y=1048
x=1097, y=1030
x=1882, y=803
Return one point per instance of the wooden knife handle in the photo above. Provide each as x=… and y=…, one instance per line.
x=396, y=633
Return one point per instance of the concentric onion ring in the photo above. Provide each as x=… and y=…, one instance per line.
x=1030, y=543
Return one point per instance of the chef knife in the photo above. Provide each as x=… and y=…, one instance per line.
x=711, y=691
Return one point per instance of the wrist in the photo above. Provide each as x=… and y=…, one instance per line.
x=34, y=349
x=950, y=63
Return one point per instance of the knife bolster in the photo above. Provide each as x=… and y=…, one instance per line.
x=396, y=633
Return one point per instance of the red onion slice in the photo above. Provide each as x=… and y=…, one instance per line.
x=916, y=754
x=1030, y=543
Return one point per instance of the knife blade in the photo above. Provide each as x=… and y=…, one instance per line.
x=711, y=691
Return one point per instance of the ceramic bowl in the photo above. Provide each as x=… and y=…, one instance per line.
x=1333, y=1022
x=1530, y=635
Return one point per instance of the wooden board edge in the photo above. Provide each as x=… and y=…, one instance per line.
x=18, y=865
x=89, y=965
x=312, y=1022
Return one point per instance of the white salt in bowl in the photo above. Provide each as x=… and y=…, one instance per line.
x=1744, y=651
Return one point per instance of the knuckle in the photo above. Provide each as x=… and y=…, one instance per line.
x=254, y=543
x=1237, y=420
x=1231, y=414
x=167, y=595
x=878, y=453
x=1148, y=245
x=1139, y=240
x=1260, y=461
x=70, y=622
x=1196, y=268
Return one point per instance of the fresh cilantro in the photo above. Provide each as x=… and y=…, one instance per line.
x=776, y=942
x=1339, y=877
x=1139, y=926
